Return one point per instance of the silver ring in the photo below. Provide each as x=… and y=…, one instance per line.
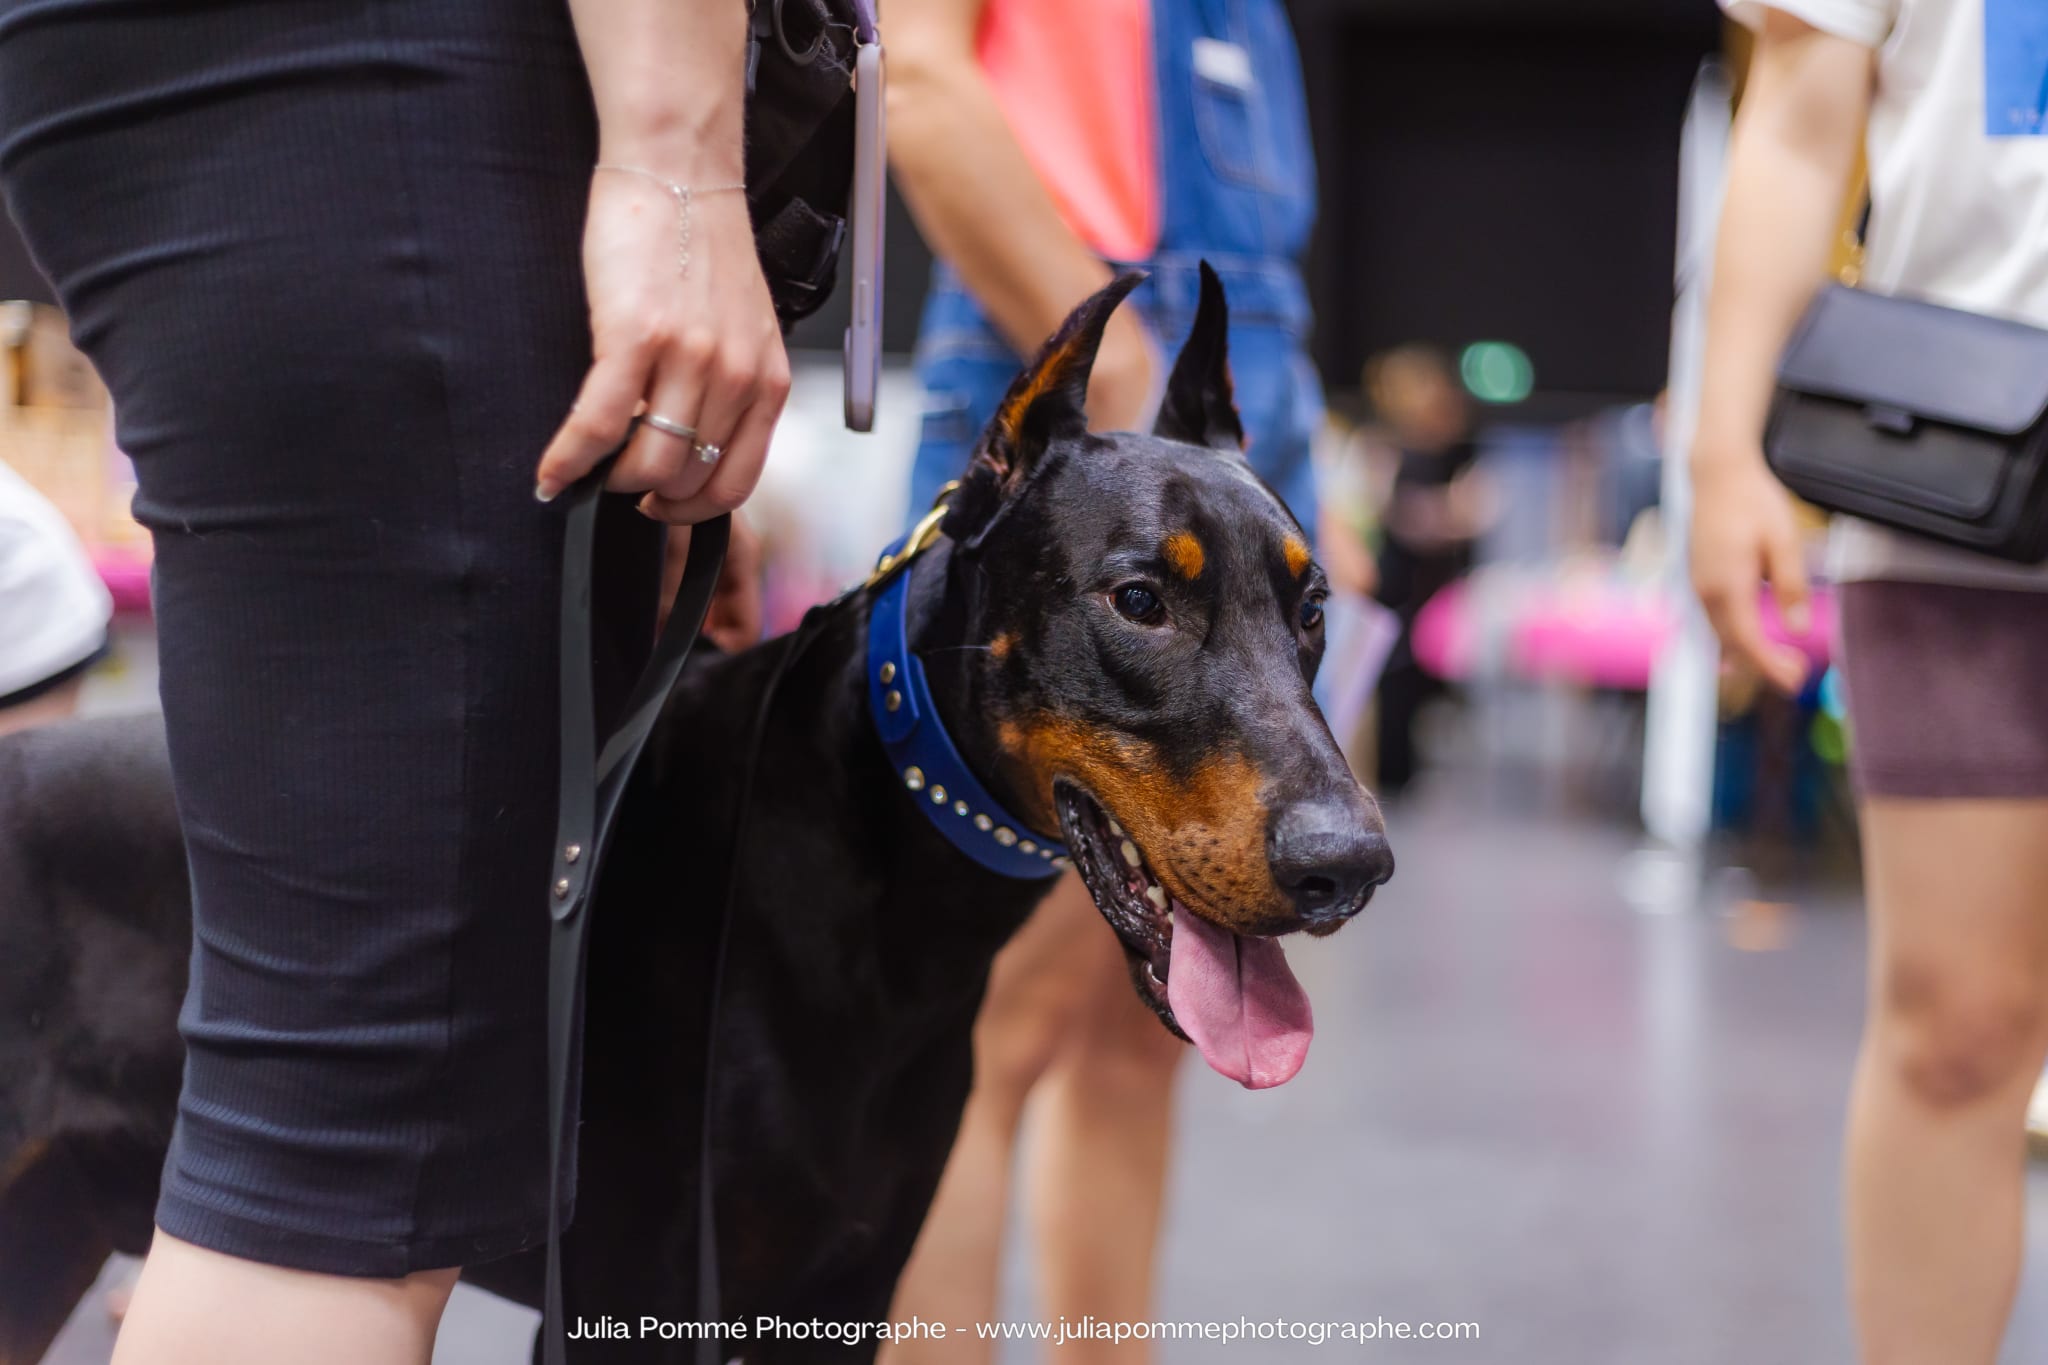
x=709, y=453
x=670, y=426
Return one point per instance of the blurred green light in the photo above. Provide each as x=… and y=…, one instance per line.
x=1830, y=740
x=1497, y=371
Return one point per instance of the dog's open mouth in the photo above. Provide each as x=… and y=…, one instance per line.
x=1229, y=994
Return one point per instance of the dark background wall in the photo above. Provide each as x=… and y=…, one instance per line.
x=1497, y=172
x=1491, y=170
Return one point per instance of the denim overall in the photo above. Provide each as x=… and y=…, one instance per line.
x=1238, y=176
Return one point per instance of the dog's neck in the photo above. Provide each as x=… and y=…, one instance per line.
x=929, y=743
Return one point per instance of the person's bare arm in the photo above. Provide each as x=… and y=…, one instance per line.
x=983, y=208
x=700, y=347
x=1794, y=150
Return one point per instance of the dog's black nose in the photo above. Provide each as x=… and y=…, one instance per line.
x=1324, y=857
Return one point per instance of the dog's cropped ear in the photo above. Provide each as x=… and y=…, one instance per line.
x=1046, y=403
x=1199, y=409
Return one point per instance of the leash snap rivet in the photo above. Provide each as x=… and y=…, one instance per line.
x=1006, y=836
x=562, y=889
x=913, y=778
x=893, y=700
x=572, y=853
x=938, y=796
x=888, y=672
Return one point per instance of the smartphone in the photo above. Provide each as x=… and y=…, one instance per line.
x=865, y=238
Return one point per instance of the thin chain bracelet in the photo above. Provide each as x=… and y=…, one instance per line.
x=682, y=195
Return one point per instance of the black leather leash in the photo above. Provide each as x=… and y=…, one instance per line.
x=592, y=783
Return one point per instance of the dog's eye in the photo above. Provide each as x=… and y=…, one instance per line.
x=1311, y=612
x=1136, y=602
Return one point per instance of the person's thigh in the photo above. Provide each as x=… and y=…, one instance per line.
x=1951, y=763
x=326, y=256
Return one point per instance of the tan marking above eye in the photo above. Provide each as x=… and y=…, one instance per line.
x=1298, y=556
x=1000, y=647
x=1184, y=552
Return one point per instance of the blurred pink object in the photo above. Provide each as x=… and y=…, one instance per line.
x=1571, y=625
x=125, y=571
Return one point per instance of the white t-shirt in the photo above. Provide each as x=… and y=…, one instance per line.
x=53, y=608
x=1958, y=146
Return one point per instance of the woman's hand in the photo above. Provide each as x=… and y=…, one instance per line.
x=701, y=348
x=1745, y=534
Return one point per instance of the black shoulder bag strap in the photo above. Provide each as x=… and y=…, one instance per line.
x=592, y=783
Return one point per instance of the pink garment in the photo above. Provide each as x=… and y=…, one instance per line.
x=1075, y=79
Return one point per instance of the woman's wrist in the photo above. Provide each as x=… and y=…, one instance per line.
x=1728, y=468
x=688, y=147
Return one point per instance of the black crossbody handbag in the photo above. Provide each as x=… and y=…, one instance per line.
x=1927, y=419
x=801, y=56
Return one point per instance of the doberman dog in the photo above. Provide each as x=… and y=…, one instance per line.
x=1103, y=657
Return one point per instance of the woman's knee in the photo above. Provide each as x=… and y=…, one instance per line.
x=1954, y=1036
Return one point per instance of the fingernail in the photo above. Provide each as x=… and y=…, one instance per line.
x=1798, y=619
x=546, y=491
x=644, y=508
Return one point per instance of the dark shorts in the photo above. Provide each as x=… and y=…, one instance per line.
x=326, y=256
x=1947, y=689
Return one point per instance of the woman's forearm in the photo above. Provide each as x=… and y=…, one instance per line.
x=980, y=203
x=984, y=210
x=1794, y=150
x=669, y=80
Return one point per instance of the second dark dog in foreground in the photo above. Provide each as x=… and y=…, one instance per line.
x=1113, y=638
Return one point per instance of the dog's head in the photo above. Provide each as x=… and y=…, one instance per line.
x=1150, y=619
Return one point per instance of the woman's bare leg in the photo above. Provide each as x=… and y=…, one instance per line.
x=1097, y=1154
x=1036, y=992
x=197, y=1307
x=1955, y=1037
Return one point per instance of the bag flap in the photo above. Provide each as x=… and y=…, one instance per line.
x=1906, y=356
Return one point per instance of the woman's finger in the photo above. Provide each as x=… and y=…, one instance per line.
x=597, y=423
x=727, y=391
x=657, y=456
x=736, y=473
x=1737, y=617
x=1785, y=566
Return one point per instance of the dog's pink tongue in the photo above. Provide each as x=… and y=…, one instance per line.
x=1236, y=998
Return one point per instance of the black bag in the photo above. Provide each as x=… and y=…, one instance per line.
x=1926, y=419
x=800, y=60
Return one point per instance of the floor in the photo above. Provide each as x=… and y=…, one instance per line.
x=1606, y=1136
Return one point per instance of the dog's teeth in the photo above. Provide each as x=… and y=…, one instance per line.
x=1116, y=831
x=1130, y=851
x=1157, y=895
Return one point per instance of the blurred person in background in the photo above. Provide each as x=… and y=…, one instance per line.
x=1037, y=142
x=368, y=285
x=1433, y=508
x=53, y=609
x=1944, y=653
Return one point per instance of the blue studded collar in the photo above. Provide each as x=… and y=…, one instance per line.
x=921, y=752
